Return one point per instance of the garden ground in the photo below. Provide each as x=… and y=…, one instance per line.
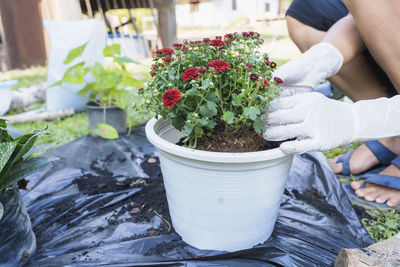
x=381, y=223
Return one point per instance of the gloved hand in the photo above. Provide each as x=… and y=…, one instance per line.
x=304, y=73
x=321, y=124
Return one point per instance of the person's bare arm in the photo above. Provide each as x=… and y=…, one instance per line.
x=345, y=36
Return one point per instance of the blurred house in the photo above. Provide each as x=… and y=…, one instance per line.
x=23, y=41
x=222, y=13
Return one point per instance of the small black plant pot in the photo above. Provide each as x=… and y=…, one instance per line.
x=112, y=115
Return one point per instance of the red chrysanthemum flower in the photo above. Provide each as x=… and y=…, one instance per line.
x=219, y=65
x=152, y=73
x=140, y=90
x=154, y=66
x=265, y=84
x=253, y=77
x=167, y=59
x=217, y=43
x=178, y=45
x=202, y=71
x=164, y=51
x=206, y=40
x=249, y=65
x=171, y=97
x=218, y=37
x=228, y=36
x=190, y=74
x=278, y=80
x=272, y=65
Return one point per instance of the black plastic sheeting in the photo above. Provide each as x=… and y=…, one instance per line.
x=17, y=241
x=103, y=204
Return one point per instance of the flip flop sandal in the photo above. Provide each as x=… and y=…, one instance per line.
x=383, y=180
x=382, y=153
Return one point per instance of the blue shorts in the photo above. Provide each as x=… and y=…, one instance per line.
x=321, y=15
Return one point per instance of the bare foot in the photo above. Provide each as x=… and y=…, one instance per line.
x=378, y=193
x=363, y=159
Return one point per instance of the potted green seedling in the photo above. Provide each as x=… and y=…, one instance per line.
x=107, y=86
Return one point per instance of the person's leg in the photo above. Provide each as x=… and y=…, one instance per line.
x=378, y=23
x=381, y=38
x=356, y=79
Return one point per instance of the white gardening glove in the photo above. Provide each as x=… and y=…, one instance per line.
x=304, y=73
x=321, y=123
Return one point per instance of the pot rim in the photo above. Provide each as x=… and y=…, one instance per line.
x=101, y=107
x=223, y=157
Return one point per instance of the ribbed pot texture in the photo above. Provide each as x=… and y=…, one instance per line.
x=219, y=201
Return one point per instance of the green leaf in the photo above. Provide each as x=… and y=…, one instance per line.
x=212, y=106
x=192, y=91
x=24, y=144
x=74, y=53
x=187, y=129
x=24, y=169
x=128, y=80
x=209, y=109
x=112, y=50
x=236, y=100
x=178, y=122
x=75, y=74
x=6, y=150
x=126, y=60
x=1, y=211
x=212, y=97
x=206, y=83
x=228, y=117
x=106, y=131
x=259, y=126
x=86, y=89
x=203, y=122
x=217, y=93
x=391, y=224
x=56, y=84
x=120, y=99
x=198, y=131
x=252, y=112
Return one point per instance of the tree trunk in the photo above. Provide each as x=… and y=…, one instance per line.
x=166, y=21
x=23, y=30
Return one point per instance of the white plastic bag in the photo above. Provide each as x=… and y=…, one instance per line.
x=64, y=36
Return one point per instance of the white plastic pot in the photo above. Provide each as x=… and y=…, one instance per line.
x=219, y=201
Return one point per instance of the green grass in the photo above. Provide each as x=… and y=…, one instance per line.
x=59, y=131
x=384, y=223
x=26, y=77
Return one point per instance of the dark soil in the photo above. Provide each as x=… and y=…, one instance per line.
x=226, y=140
x=142, y=206
x=313, y=197
x=361, y=212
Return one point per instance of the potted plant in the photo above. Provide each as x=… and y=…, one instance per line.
x=107, y=86
x=223, y=188
x=17, y=242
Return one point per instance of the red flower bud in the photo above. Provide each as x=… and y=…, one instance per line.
x=278, y=80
